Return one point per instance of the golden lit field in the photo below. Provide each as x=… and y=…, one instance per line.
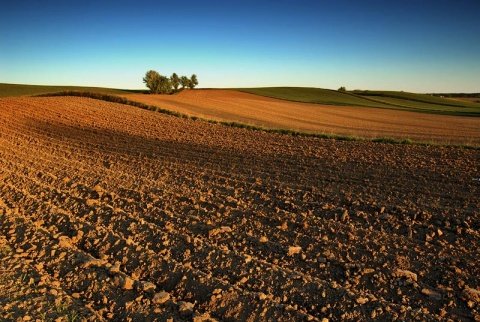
x=109, y=212
x=228, y=105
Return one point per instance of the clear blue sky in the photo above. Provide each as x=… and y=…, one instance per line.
x=410, y=45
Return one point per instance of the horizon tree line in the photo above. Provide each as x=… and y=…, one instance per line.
x=159, y=84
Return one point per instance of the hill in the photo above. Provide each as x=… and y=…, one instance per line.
x=12, y=90
x=321, y=119
x=382, y=99
x=109, y=212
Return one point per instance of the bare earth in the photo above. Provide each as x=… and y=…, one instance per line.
x=110, y=212
x=226, y=105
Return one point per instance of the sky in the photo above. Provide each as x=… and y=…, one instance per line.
x=419, y=46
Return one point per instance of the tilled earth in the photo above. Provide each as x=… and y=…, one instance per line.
x=109, y=212
x=364, y=122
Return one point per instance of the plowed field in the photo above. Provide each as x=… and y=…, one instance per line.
x=110, y=212
x=366, y=122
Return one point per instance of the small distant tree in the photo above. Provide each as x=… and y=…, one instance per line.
x=193, y=81
x=184, y=81
x=175, y=80
x=152, y=81
x=342, y=89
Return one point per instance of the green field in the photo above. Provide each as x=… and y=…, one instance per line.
x=29, y=90
x=312, y=95
x=383, y=99
x=425, y=98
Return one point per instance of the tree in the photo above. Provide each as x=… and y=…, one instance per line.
x=165, y=85
x=184, y=81
x=175, y=80
x=157, y=83
x=152, y=81
x=342, y=89
x=193, y=81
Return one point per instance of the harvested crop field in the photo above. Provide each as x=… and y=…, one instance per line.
x=365, y=122
x=110, y=212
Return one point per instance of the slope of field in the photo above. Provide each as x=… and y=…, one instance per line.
x=226, y=105
x=431, y=107
x=110, y=212
x=11, y=90
x=312, y=95
x=414, y=97
x=383, y=99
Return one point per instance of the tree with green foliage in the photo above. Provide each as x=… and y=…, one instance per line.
x=165, y=85
x=152, y=81
x=159, y=84
x=193, y=82
x=175, y=80
x=342, y=89
x=184, y=81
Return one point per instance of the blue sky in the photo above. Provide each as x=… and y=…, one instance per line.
x=418, y=46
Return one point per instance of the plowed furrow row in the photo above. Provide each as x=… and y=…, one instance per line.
x=137, y=260
x=286, y=285
x=119, y=223
x=128, y=214
x=254, y=241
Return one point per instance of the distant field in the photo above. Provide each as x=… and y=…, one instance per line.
x=8, y=90
x=312, y=95
x=379, y=99
x=383, y=99
x=431, y=107
x=372, y=116
x=423, y=102
x=356, y=121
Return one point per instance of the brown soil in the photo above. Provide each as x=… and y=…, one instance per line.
x=110, y=212
x=226, y=105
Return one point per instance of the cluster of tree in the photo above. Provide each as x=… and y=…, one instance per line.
x=342, y=89
x=159, y=84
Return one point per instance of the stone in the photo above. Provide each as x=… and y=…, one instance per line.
x=362, y=300
x=205, y=317
x=128, y=283
x=64, y=242
x=471, y=294
x=145, y=286
x=114, y=269
x=406, y=274
x=185, y=308
x=431, y=293
x=92, y=202
x=215, y=231
x=161, y=297
x=94, y=262
x=292, y=250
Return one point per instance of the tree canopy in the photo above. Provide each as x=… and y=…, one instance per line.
x=159, y=84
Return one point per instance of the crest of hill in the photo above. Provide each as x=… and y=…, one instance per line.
x=11, y=90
